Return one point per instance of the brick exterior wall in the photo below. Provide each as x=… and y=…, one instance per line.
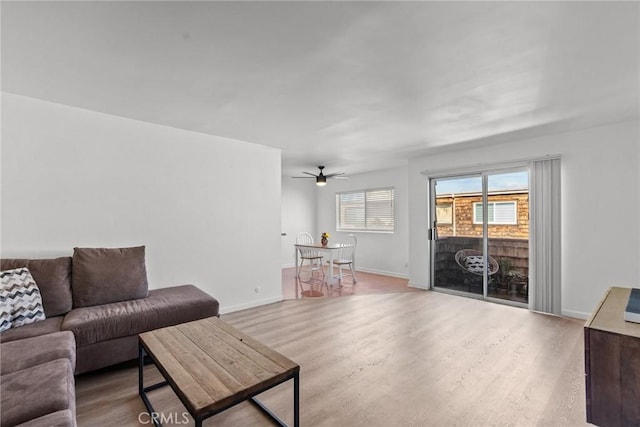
x=463, y=225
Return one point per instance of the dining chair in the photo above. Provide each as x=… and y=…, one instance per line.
x=345, y=255
x=311, y=255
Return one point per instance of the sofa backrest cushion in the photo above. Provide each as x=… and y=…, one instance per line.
x=53, y=277
x=105, y=275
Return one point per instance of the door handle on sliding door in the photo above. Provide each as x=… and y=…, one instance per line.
x=433, y=232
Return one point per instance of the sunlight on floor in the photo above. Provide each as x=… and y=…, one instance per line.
x=311, y=285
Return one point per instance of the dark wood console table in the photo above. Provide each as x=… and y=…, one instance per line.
x=612, y=363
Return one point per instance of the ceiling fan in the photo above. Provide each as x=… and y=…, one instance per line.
x=321, y=178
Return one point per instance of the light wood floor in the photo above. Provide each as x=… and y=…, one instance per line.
x=311, y=284
x=406, y=359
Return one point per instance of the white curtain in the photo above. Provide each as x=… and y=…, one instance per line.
x=544, y=239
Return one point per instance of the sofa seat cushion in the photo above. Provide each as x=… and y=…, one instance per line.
x=55, y=419
x=53, y=277
x=29, y=352
x=47, y=326
x=163, y=307
x=35, y=392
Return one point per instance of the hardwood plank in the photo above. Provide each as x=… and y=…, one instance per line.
x=226, y=350
x=406, y=359
x=172, y=354
x=245, y=346
x=255, y=346
x=206, y=371
x=313, y=287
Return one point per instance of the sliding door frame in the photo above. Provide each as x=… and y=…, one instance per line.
x=484, y=173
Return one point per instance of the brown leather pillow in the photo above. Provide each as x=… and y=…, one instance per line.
x=104, y=275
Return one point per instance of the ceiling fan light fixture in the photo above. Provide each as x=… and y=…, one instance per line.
x=321, y=178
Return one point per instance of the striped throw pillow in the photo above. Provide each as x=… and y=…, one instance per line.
x=20, y=299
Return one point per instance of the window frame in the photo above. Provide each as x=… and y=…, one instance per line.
x=365, y=229
x=514, y=203
x=446, y=205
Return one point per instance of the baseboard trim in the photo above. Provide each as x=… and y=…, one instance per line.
x=418, y=286
x=251, y=304
x=383, y=273
x=367, y=270
x=576, y=314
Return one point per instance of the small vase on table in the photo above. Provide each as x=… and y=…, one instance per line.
x=324, y=241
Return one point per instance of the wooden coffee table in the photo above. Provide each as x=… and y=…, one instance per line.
x=212, y=366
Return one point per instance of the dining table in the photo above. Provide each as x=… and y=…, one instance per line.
x=330, y=248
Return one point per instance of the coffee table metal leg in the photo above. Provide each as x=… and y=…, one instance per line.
x=296, y=405
x=140, y=370
x=296, y=400
x=142, y=390
x=268, y=412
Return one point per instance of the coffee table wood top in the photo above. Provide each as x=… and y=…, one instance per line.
x=212, y=365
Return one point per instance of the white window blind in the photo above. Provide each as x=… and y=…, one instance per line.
x=498, y=213
x=365, y=210
x=444, y=213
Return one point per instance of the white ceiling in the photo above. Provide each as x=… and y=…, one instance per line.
x=356, y=86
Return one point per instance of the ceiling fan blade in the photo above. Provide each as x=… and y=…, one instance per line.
x=321, y=177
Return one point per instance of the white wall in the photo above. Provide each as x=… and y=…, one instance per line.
x=298, y=214
x=376, y=252
x=600, y=207
x=207, y=208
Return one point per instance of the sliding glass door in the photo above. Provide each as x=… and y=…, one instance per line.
x=456, y=237
x=508, y=238
x=480, y=234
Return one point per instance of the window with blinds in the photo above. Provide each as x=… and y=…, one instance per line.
x=498, y=212
x=365, y=210
x=444, y=213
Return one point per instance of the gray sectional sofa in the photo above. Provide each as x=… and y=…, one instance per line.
x=96, y=303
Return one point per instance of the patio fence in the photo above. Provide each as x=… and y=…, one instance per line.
x=510, y=253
